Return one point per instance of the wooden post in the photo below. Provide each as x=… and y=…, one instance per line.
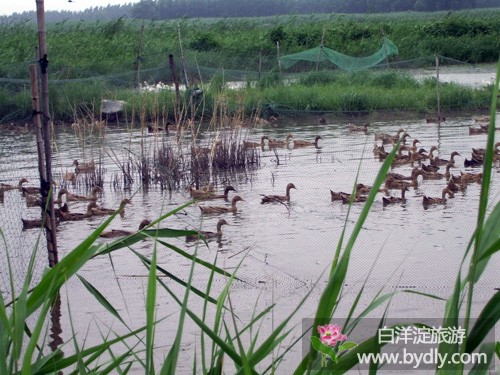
x=138, y=58
x=46, y=178
x=437, y=92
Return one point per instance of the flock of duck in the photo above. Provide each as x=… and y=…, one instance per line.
x=423, y=163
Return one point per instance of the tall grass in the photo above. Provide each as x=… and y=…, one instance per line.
x=225, y=343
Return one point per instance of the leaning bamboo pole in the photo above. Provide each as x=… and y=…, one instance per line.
x=46, y=178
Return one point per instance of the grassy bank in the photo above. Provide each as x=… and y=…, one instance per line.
x=334, y=92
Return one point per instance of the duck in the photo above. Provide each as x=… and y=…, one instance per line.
x=437, y=161
x=26, y=190
x=473, y=162
x=391, y=200
x=205, y=196
x=35, y=223
x=208, y=235
x=338, y=196
x=302, y=143
x=354, y=199
x=74, y=216
x=33, y=201
x=250, y=144
x=394, y=183
x=69, y=177
x=122, y=233
x=480, y=130
x=430, y=168
x=478, y=153
x=363, y=189
x=379, y=151
x=84, y=167
x=430, y=120
x=431, y=175
x=155, y=128
x=388, y=138
x=279, y=143
x=428, y=200
x=222, y=210
x=101, y=211
x=202, y=191
x=412, y=148
x=70, y=197
x=484, y=118
x=357, y=128
x=322, y=121
x=7, y=187
x=470, y=177
x=278, y=198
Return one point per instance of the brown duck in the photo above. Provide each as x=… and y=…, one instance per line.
x=70, y=197
x=250, y=144
x=84, y=167
x=279, y=143
x=101, y=211
x=208, y=195
x=222, y=210
x=391, y=200
x=74, y=216
x=279, y=198
x=358, y=128
x=122, y=233
x=7, y=187
x=338, y=196
x=428, y=200
x=208, y=235
x=302, y=143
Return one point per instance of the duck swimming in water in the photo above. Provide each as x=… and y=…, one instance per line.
x=113, y=233
x=279, y=198
x=101, y=211
x=426, y=201
x=391, y=200
x=222, y=210
x=301, y=143
x=208, y=235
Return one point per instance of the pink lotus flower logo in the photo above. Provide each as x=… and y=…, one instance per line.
x=329, y=336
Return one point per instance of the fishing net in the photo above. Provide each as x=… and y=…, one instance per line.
x=348, y=63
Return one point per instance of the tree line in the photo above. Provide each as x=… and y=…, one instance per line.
x=174, y=9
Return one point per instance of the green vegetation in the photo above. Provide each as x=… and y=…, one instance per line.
x=98, y=58
x=225, y=338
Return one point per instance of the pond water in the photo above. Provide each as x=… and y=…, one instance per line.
x=283, y=249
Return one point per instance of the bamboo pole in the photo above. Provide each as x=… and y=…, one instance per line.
x=438, y=92
x=36, y=118
x=46, y=178
x=138, y=58
x=182, y=56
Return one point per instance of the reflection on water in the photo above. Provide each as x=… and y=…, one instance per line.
x=285, y=247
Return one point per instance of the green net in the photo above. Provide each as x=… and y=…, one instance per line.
x=348, y=63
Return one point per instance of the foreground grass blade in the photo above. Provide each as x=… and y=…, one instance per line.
x=485, y=323
x=101, y=299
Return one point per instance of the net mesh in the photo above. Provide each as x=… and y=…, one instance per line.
x=348, y=63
